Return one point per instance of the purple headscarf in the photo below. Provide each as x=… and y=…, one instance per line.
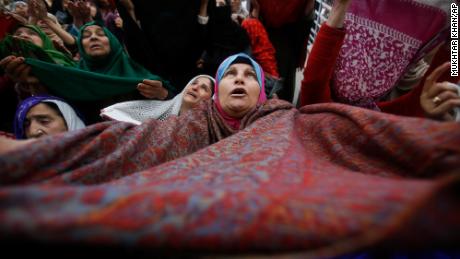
x=72, y=119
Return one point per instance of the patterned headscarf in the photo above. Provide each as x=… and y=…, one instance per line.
x=238, y=58
x=73, y=121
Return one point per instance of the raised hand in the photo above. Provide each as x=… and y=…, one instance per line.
x=337, y=15
x=439, y=98
x=152, y=89
x=37, y=10
x=80, y=11
x=17, y=70
x=221, y=3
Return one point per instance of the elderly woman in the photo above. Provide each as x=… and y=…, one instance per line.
x=40, y=116
x=200, y=88
x=240, y=173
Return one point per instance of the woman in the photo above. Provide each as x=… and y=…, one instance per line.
x=104, y=73
x=30, y=41
x=198, y=89
x=39, y=116
x=35, y=36
x=241, y=173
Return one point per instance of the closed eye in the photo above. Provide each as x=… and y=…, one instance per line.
x=44, y=121
x=86, y=34
x=204, y=87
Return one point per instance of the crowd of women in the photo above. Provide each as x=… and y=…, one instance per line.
x=369, y=158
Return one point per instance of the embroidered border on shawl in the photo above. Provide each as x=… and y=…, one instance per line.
x=383, y=29
x=371, y=61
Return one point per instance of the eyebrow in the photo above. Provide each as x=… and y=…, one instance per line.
x=38, y=116
x=250, y=69
x=229, y=69
x=95, y=30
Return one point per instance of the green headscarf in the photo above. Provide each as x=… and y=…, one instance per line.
x=116, y=74
x=47, y=53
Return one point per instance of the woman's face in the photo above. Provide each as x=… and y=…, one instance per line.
x=21, y=9
x=95, y=43
x=29, y=35
x=236, y=5
x=239, y=90
x=42, y=120
x=197, y=91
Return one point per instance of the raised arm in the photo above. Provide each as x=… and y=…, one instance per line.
x=318, y=72
x=337, y=16
x=38, y=12
x=80, y=12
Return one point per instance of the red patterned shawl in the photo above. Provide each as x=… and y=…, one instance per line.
x=383, y=38
x=326, y=179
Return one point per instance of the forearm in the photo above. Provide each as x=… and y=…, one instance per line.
x=65, y=36
x=337, y=17
x=320, y=66
x=203, y=8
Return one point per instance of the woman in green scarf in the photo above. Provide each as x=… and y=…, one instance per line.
x=97, y=76
x=31, y=40
x=105, y=72
x=25, y=41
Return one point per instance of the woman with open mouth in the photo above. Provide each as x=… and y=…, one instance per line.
x=200, y=88
x=241, y=174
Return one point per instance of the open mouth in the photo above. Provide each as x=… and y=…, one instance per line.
x=238, y=92
x=192, y=94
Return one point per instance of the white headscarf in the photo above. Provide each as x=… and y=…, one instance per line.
x=71, y=118
x=137, y=112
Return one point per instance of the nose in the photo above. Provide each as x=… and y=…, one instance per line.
x=35, y=130
x=239, y=78
x=195, y=87
x=93, y=36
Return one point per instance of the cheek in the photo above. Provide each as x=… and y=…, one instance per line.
x=205, y=95
x=37, y=41
x=85, y=44
x=254, y=93
x=58, y=126
x=224, y=89
x=106, y=43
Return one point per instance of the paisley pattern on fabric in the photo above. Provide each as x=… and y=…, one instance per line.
x=326, y=179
